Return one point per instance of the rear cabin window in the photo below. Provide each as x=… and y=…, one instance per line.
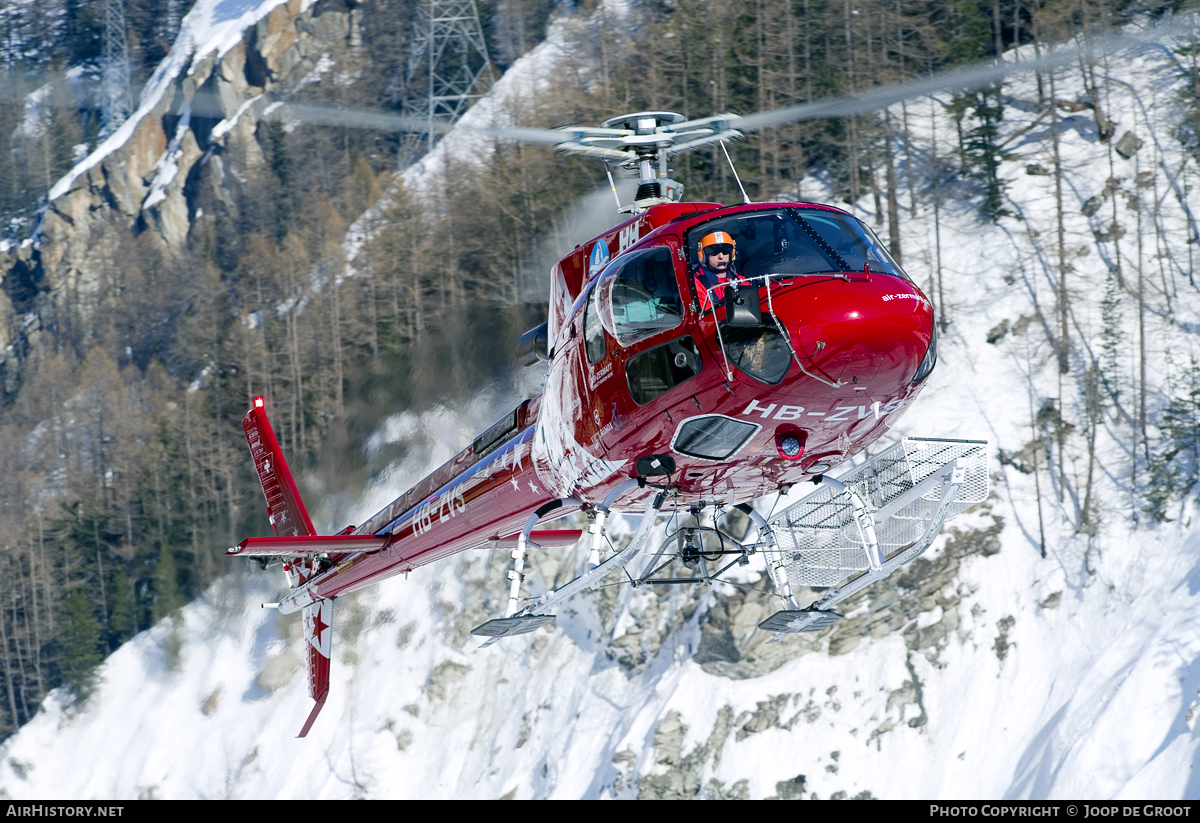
x=657, y=370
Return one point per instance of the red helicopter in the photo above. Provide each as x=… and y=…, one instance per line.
x=700, y=358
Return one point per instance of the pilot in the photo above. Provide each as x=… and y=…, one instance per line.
x=717, y=252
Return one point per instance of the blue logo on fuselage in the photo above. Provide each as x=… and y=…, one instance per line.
x=599, y=257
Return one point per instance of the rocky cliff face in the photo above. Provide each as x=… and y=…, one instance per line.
x=194, y=145
x=926, y=604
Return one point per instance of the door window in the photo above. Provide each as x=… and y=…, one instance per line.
x=638, y=295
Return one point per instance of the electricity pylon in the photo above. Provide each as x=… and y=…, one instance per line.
x=115, y=89
x=448, y=69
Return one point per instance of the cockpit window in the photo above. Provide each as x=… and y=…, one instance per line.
x=796, y=242
x=638, y=295
x=850, y=239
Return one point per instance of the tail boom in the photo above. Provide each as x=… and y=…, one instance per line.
x=481, y=496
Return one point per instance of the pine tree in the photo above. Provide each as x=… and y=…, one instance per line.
x=1111, y=343
x=978, y=115
x=168, y=599
x=1189, y=89
x=79, y=645
x=122, y=609
x=1175, y=463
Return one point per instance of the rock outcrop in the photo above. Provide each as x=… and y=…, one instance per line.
x=197, y=141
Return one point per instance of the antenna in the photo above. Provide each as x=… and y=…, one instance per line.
x=745, y=199
x=448, y=67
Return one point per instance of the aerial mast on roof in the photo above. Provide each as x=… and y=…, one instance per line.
x=448, y=69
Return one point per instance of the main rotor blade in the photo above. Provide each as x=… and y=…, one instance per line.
x=861, y=103
x=19, y=84
x=318, y=115
x=563, y=134
x=970, y=77
x=323, y=115
x=524, y=134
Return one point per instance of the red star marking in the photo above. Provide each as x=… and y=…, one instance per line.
x=318, y=626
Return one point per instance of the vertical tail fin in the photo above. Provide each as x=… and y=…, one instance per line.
x=318, y=634
x=285, y=509
x=289, y=518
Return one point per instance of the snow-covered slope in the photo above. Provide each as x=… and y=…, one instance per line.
x=1014, y=676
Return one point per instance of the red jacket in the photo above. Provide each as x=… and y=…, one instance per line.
x=704, y=278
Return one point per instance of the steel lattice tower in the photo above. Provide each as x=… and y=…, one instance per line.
x=448, y=69
x=115, y=91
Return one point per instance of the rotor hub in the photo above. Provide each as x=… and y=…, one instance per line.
x=647, y=142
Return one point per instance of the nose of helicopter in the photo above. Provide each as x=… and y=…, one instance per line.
x=873, y=330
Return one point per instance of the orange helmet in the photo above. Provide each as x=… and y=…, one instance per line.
x=717, y=238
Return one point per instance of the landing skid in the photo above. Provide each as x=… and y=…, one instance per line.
x=849, y=534
x=690, y=549
x=589, y=579
x=510, y=626
x=802, y=620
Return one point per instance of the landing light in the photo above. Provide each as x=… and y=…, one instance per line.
x=791, y=447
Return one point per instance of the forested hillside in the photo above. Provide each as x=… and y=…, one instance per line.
x=133, y=336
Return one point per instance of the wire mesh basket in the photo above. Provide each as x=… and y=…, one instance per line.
x=820, y=538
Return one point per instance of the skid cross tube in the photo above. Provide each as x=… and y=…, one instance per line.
x=518, y=554
x=775, y=565
x=618, y=560
x=862, y=516
x=597, y=527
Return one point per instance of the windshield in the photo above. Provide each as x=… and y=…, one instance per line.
x=796, y=242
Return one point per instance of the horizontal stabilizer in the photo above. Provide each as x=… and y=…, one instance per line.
x=312, y=544
x=546, y=538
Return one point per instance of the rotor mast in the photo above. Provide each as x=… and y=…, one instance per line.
x=646, y=142
x=649, y=146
